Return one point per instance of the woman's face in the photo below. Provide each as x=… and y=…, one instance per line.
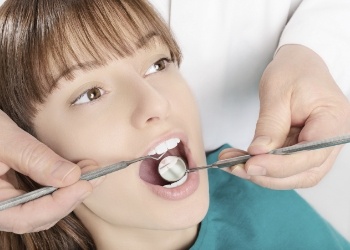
x=121, y=111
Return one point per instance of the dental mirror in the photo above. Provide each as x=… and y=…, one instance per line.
x=172, y=168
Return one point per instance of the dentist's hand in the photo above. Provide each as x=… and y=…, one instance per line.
x=299, y=101
x=21, y=152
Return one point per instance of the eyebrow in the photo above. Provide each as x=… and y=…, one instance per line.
x=141, y=43
x=78, y=66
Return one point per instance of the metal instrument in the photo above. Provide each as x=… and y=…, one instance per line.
x=87, y=176
x=281, y=151
x=219, y=164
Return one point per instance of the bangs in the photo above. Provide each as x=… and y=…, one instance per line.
x=98, y=31
x=41, y=40
x=103, y=30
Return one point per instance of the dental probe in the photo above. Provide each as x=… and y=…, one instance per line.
x=12, y=202
x=175, y=168
x=281, y=151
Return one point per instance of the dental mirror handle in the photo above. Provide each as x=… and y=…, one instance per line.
x=12, y=202
x=281, y=151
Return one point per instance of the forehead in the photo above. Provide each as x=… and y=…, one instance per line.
x=86, y=62
x=99, y=33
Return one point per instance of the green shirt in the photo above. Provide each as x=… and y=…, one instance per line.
x=243, y=215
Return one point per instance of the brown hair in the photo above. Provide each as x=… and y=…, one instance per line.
x=41, y=38
x=39, y=41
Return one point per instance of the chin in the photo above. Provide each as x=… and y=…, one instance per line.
x=186, y=213
x=192, y=218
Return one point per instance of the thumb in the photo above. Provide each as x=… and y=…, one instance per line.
x=273, y=124
x=25, y=154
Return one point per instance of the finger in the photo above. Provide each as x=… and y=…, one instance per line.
x=90, y=165
x=231, y=153
x=237, y=170
x=45, y=227
x=87, y=165
x=281, y=166
x=304, y=179
x=7, y=177
x=321, y=124
x=25, y=154
x=46, y=211
x=274, y=121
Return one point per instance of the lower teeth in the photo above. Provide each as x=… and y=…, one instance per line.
x=177, y=183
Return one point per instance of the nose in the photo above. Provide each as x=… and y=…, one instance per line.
x=152, y=105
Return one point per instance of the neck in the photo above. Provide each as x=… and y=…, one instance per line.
x=131, y=238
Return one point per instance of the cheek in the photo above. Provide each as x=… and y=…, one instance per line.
x=186, y=110
x=77, y=138
x=112, y=201
x=182, y=101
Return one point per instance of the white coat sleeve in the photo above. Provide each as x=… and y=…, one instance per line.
x=324, y=27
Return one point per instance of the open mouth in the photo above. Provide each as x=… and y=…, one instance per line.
x=149, y=167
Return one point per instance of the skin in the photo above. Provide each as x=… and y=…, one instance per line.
x=23, y=153
x=137, y=105
x=284, y=76
x=300, y=102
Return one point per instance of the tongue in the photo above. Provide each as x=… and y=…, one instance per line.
x=149, y=172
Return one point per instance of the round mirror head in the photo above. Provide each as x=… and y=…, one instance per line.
x=172, y=168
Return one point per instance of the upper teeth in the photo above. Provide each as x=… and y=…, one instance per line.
x=165, y=146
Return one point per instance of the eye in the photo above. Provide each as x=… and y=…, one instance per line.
x=158, y=66
x=89, y=96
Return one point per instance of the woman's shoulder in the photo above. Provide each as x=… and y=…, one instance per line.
x=244, y=215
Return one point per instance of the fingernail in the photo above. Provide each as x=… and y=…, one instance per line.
x=261, y=141
x=239, y=171
x=256, y=170
x=63, y=169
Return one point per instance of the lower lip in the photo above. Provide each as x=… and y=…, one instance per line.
x=177, y=193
